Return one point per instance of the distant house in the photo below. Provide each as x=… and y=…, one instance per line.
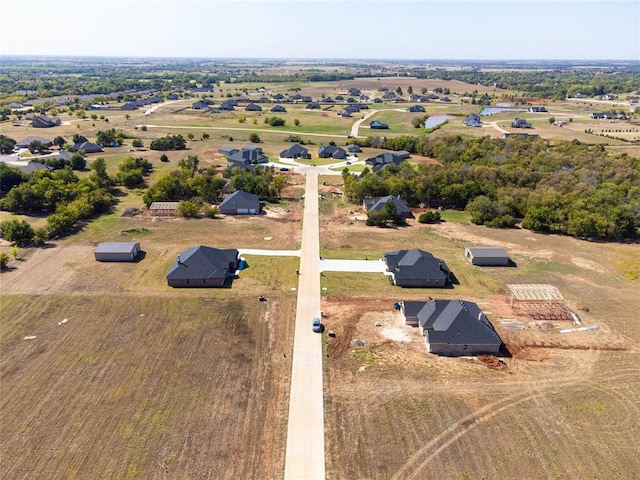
x=376, y=124
x=295, y=151
x=27, y=141
x=609, y=96
x=523, y=135
x=227, y=106
x=313, y=106
x=331, y=151
x=538, y=109
x=244, y=166
x=520, y=123
x=201, y=105
x=172, y=96
x=354, y=92
x=353, y=148
x=601, y=115
x=88, y=147
x=278, y=109
x=452, y=327
x=416, y=108
x=473, y=120
x=487, y=256
x=445, y=99
x=253, y=107
x=378, y=203
x=42, y=121
x=382, y=160
x=117, y=251
x=203, y=267
x=377, y=100
x=247, y=155
x=240, y=203
x=278, y=96
x=416, y=268
x=129, y=106
x=31, y=167
x=164, y=209
x=14, y=105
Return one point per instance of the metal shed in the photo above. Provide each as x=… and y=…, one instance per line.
x=117, y=251
x=487, y=256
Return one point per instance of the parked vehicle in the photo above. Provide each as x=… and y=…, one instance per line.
x=317, y=326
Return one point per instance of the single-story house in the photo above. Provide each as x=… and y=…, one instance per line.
x=31, y=167
x=537, y=109
x=416, y=108
x=129, y=106
x=353, y=148
x=378, y=125
x=416, y=268
x=473, y=120
x=331, y=151
x=203, y=267
x=42, y=121
x=487, y=256
x=164, y=209
x=523, y=135
x=295, y=151
x=520, y=123
x=14, y=105
x=117, y=251
x=248, y=154
x=278, y=109
x=227, y=106
x=88, y=147
x=253, y=107
x=313, y=106
x=382, y=160
x=378, y=203
x=452, y=327
x=240, y=203
x=244, y=166
x=601, y=115
x=27, y=141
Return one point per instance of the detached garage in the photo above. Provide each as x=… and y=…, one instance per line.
x=117, y=251
x=487, y=256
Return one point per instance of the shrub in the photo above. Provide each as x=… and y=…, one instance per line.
x=18, y=231
x=212, y=212
x=429, y=217
x=4, y=260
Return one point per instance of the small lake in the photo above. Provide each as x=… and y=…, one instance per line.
x=494, y=110
x=436, y=120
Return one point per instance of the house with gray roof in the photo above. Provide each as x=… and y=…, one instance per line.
x=32, y=167
x=278, y=109
x=43, y=121
x=253, y=107
x=487, y=256
x=248, y=155
x=416, y=109
x=332, y=151
x=87, y=147
x=473, y=120
x=27, y=141
x=382, y=160
x=452, y=327
x=417, y=268
x=378, y=203
x=295, y=151
x=117, y=251
x=203, y=267
x=376, y=124
x=240, y=203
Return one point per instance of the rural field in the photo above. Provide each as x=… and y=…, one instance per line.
x=106, y=372
x=562, y=406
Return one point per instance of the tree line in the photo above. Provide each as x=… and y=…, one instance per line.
x=570, y=188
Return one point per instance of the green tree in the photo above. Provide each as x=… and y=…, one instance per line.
x=6, y=145
x=254, y=138
x=205, y=136
x=100, y=175
x=77, y=138
x=188, y=208
x=59, y=141
x=78, y=161
x=296, y=122
x=137, y=143
x=4, y=261
x=19, y=231
x=164, y=158
x=36, y=146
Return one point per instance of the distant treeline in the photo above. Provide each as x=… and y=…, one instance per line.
x=569, y=188
x=557, y=83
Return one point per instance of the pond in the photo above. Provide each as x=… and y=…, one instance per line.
x=436, y=120
x=494, y=110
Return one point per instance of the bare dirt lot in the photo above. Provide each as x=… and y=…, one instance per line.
x=561, y=406
x=108, y=373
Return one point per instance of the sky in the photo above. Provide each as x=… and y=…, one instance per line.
x=331, y=29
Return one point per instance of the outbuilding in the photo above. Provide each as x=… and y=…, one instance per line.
x=117, y=251
x=487, y=256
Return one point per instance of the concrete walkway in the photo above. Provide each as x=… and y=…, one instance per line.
x=305, y=433
x=269, y=253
